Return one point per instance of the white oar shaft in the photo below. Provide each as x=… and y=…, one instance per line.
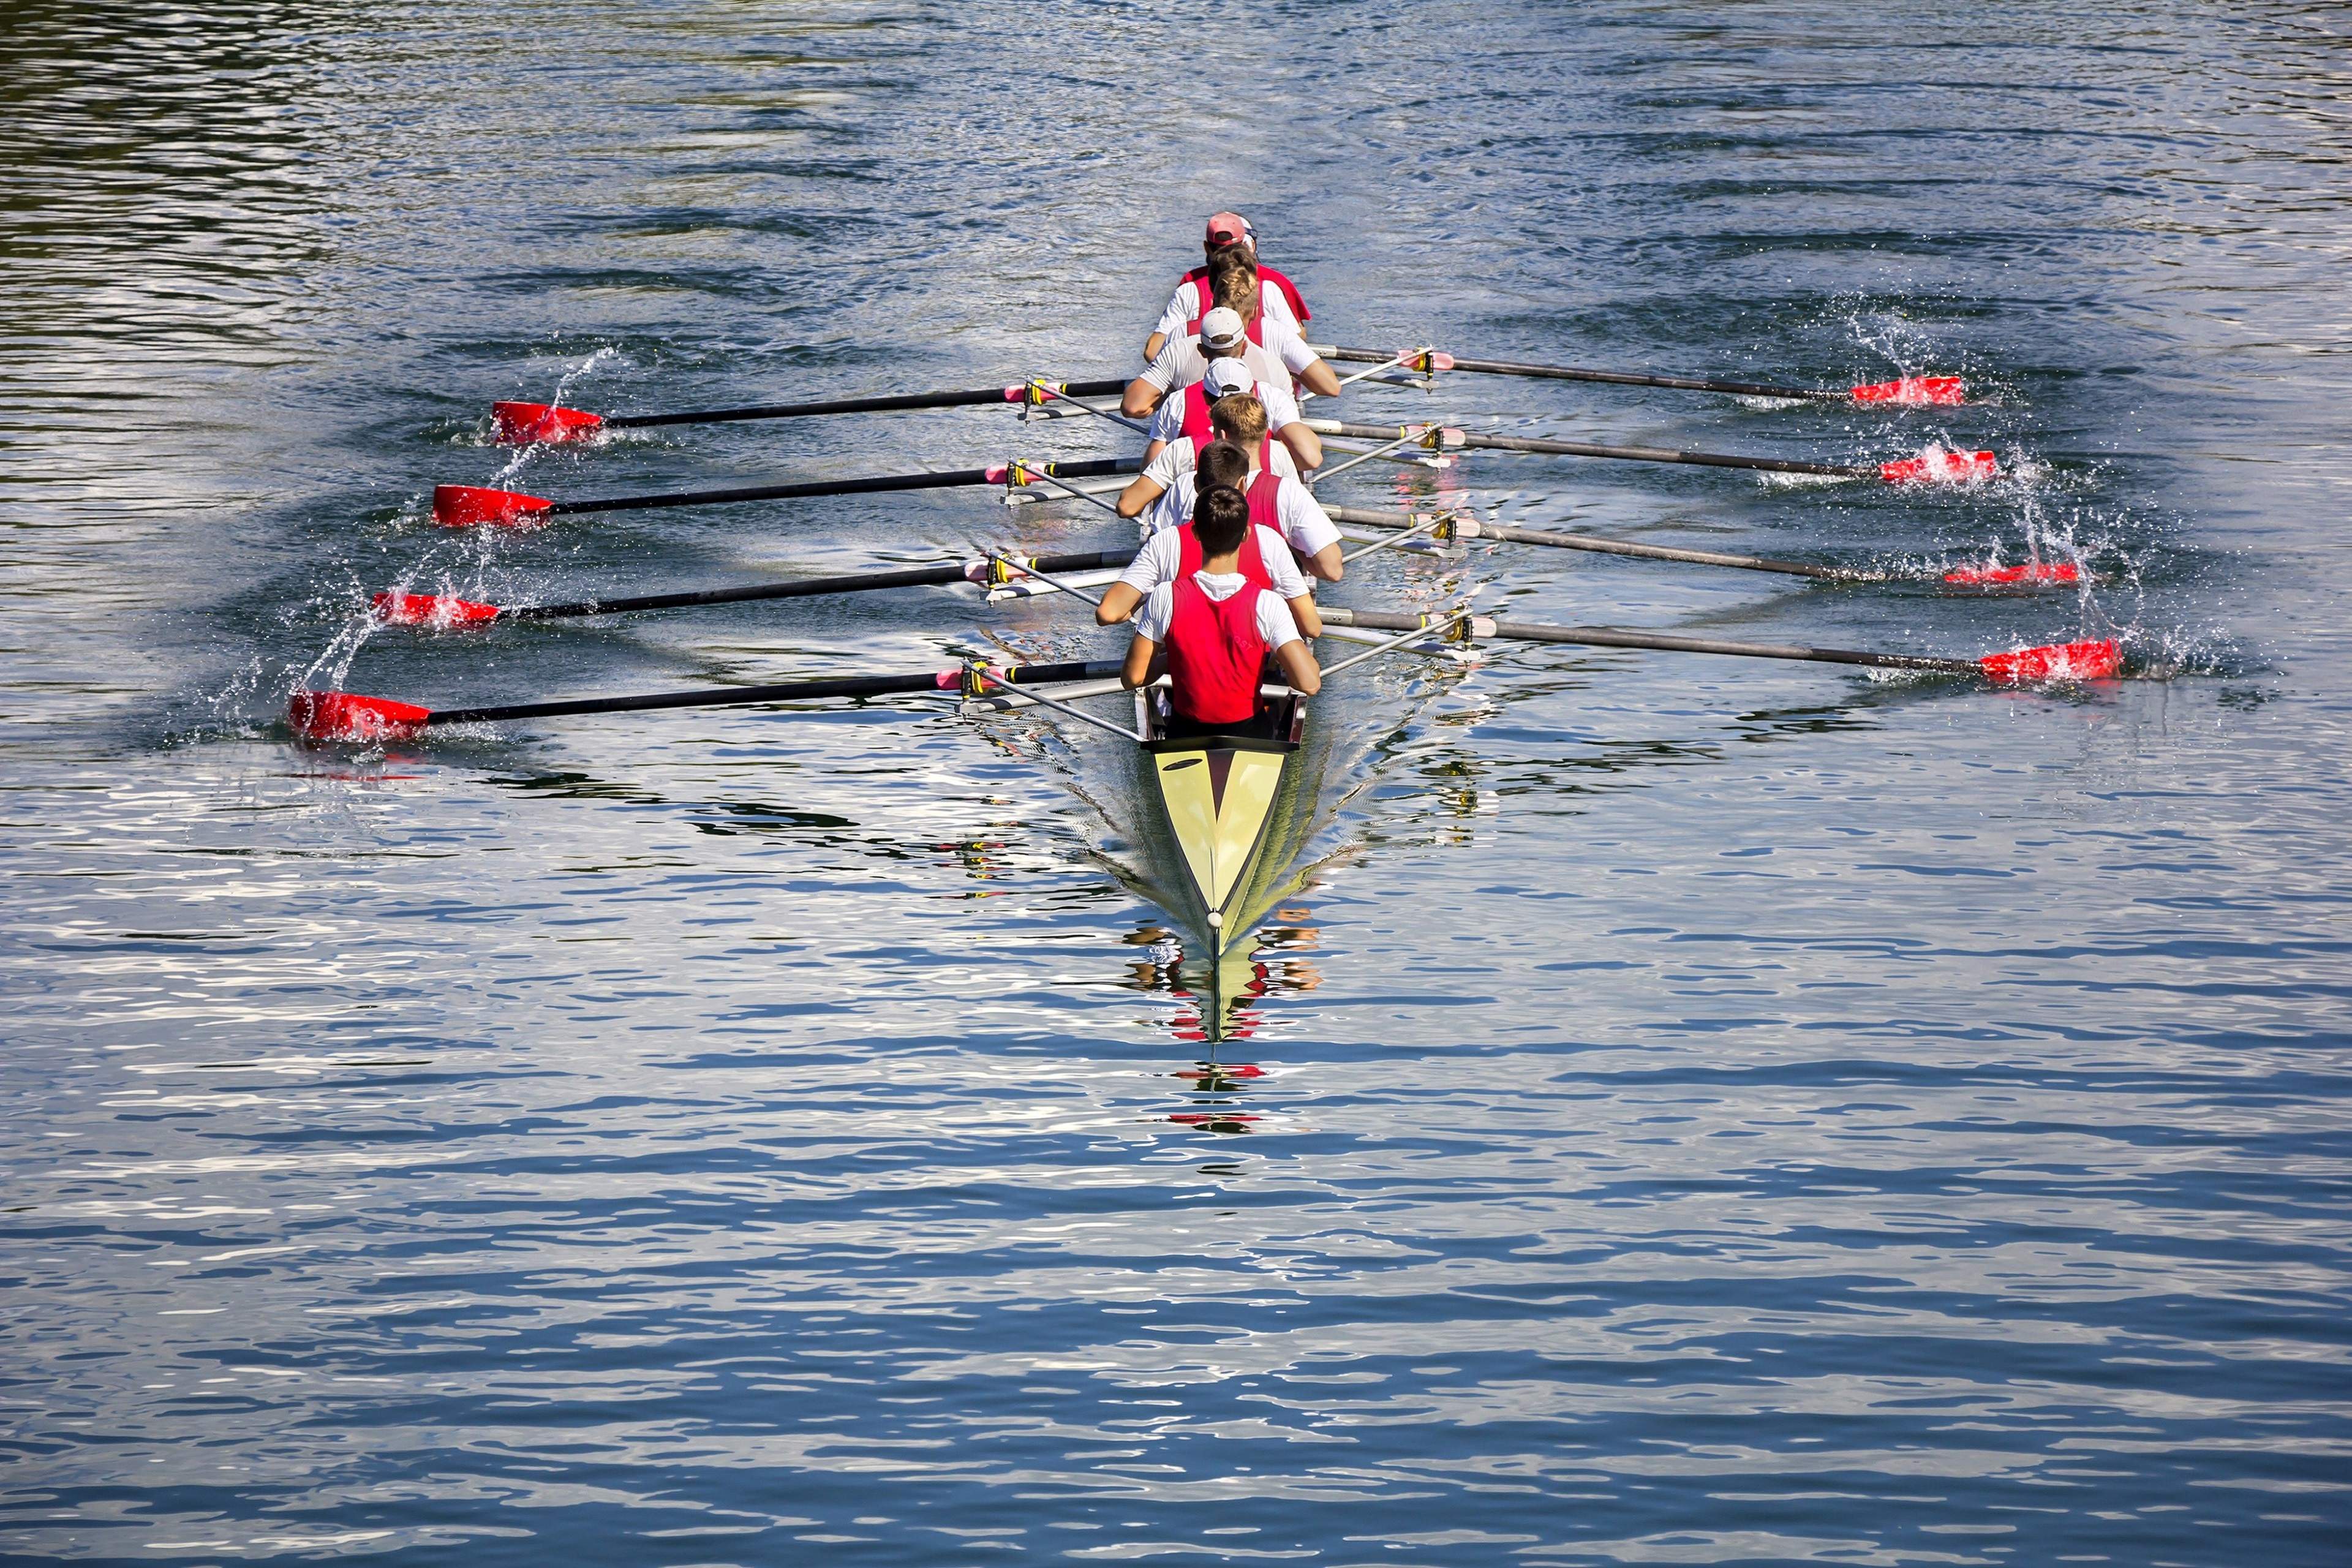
x=1389, y=644
x=1067, y=489
x=1059, y=705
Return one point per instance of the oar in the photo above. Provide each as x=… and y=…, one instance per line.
x=469, y=506
x=522, y=424
x=2092, y=660
x=446, y=610
x=1470, y=528
x=1933, y=467
x=347, y=716
x=1912, y=391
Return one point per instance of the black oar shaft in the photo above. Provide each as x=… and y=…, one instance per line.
x=1611, y=378
x=1598, y=546
x=879, y=483
x=804, y=588
x=781, y=691
x=885, y=403
x=1589, y=449
x=1670, y=454
x=1611, y=636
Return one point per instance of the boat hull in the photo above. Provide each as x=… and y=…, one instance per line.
x=1224, y=802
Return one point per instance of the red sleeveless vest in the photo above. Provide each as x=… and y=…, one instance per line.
x=1265, y=494
x=1251, y=561
x=1214, y=654
x=1199, y=278
x=1198, y=430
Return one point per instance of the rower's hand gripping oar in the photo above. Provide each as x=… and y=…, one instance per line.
x=1909, y=391
x=475, y=506
x=346, y=716
x=528, y=424
x=2093, y=659
x=1933, y=467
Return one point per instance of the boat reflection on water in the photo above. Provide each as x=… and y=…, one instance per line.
x=1220, y=1001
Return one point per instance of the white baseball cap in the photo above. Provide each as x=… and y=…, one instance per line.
x=1223, y=328
x=1228, y=375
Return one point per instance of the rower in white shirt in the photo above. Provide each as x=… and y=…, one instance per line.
x=1227, y=231
x=1172, y=553
x=1187, y=413
x=1163, y=494
x=1214, y=629
x=1275, y=352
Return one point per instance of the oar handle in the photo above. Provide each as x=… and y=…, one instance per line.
x=780, y=692
x=887, y=403
x=877, y=484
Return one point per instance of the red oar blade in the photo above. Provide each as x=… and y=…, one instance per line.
x=440, y=611
x=1914, y=391
x=1938, y=467
x=346, y=716
x=472, y=505
x=2032, y=576
x=2099, y=659
x=524, y=424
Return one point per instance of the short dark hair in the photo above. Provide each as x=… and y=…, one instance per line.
x=1220, y=520
x=1220, y=463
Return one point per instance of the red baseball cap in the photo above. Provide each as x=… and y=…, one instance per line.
x=1225, y=228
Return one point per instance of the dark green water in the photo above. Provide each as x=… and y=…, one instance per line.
x=1696, y=1111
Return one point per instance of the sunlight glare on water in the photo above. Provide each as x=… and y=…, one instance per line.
x=1683, y=1109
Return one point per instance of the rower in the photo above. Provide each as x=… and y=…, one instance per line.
x=1172, y=554
x=1225, y=230
x=1163, y=493
x=1274, y=350
x=1210, y=630
x=1228, y=375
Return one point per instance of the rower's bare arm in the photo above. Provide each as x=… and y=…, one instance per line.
x=1320, y=379
x=1140, y=398
x=1136, y=671
x=1153, y=448
x=1152, y=345
x=1299, y=667
x=1327, y=563
x=1303, y=444
x=1302, y=610
x=1119, y=602
x=1140, y=492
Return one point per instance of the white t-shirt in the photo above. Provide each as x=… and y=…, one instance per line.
x=1168, y=420
x=1274, y=623
x=1298, y=517
x=1184, y=308
x=1178, y=459
x=1163, y=553
x=1274, y=362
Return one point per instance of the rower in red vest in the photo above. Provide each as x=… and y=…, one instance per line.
x=1274, y=350
x=1187, y=303
x=1212, y=629
x=1171, y=554
x=1187, y=416
x=1162, y=495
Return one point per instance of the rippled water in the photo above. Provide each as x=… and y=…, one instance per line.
x=1693, y=1110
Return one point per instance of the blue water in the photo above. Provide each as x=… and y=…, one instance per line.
x=1692, y=1111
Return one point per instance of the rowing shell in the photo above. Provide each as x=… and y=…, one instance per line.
x=1224, y=801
